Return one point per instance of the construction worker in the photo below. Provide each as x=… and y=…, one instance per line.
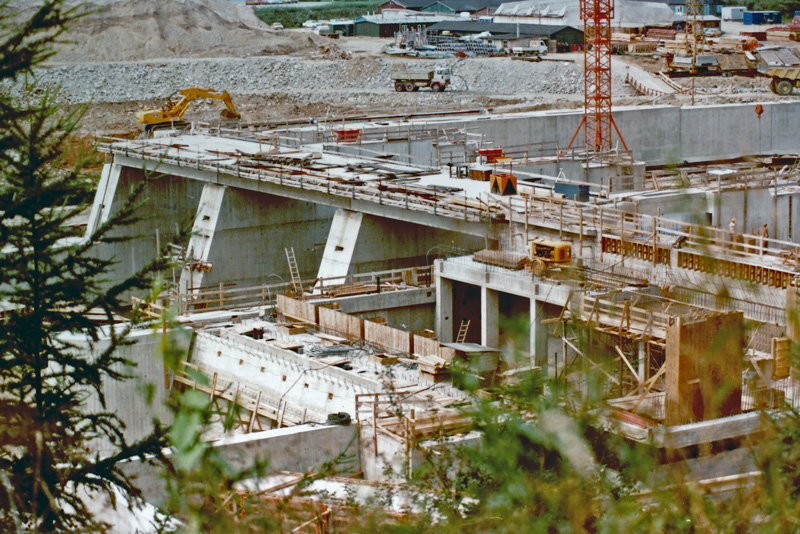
x=763, y=234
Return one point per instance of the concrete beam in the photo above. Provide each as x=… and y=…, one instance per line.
x=538, y=337
x=299, y=449
x=205, y=224
x=475, y=228
x=342, y=240
x=444, y=306
x=490, y=317
x=677, y=437
x=104, y=198
x=374, y=302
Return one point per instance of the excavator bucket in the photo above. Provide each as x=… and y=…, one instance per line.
x=228, y=114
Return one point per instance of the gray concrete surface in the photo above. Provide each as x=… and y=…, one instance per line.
x=300, y=449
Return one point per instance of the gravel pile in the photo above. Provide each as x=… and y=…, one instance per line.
x=122, y=82
x=128, y=30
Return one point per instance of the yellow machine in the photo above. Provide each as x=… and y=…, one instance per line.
x=174, y=110
x=545, y=252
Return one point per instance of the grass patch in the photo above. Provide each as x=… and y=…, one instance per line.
x=295, y=16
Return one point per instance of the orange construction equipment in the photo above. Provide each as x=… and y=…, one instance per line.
x=503, y=184
x=597, y=120
x=174, y=110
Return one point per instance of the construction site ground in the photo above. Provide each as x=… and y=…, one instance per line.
x=291, y=73
x=273, y=87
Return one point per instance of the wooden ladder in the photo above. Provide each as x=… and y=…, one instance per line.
x=294, y=272
x=462, y=331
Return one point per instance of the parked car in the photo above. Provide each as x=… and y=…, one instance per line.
x=277, y=26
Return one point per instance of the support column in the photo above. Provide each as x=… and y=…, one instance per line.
x=205, y=224
x=642, y=361
x=538, y=337
x=444, y=305
x=106, y=189
x=341, y=244
x=490, y=318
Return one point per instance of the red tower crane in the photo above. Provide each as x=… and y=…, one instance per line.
x=597, y=120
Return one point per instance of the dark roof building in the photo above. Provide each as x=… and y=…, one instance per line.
x=413, y=5
x=561, y=34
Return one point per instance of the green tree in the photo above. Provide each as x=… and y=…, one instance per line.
x=50, y=280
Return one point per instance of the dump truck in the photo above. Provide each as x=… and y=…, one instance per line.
x=781, y=65
x=783, y=80
x=437, y=79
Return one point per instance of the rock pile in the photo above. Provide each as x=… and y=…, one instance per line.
x=121, y=82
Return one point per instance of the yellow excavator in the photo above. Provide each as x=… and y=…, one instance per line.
x=173, y=110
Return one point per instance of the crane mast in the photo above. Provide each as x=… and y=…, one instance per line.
x=695, y=37
x=597, y=120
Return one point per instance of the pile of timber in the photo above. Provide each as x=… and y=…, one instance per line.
x=508, y=260
x=663, y=34
x=633, y=44
x=420, y=427
x=642, y=47
x=432, y=367
x=677, y=47
x=783, y=33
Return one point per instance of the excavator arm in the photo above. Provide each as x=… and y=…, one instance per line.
x=173, y=111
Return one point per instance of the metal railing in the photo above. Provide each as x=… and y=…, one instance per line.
x=227, y=297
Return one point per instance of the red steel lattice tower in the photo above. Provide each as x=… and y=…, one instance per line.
x=597, y=120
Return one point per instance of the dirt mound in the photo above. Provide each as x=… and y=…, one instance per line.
x=128, y=30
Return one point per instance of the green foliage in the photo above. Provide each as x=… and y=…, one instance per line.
x=201, y=483
x=786, y=7
x=50, y=279
x=540, y=467
x=295, y=16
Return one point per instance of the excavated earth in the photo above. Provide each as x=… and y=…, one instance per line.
x=127, y=55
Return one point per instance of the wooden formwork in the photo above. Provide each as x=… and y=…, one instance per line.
x=388, y=337
x=704, y=368
x=298, y=309
x=257, y=403
x=350, y=326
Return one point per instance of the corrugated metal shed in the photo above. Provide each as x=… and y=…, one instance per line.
x=627, y=13
x=387, y=23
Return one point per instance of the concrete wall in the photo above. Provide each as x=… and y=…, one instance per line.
x=751, y=208
x=303, y=383
x=128, y=399
x=412, y=310
x=390, y=244
x=253, y=230
x=168, y=204
x=301, y=449
x=655, y=134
